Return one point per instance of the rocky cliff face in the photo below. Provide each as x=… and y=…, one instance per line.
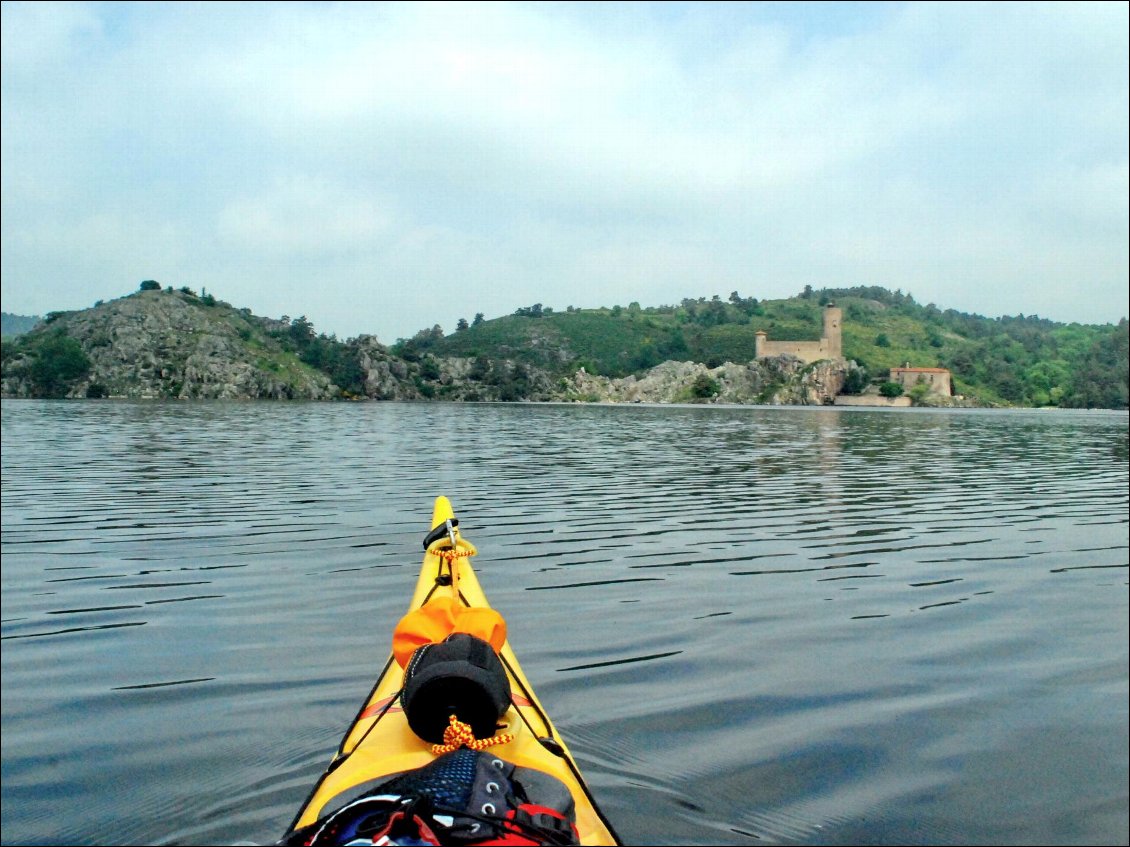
x=778, y=381
x=386, y=377
x=389, y=377
x=170, y=344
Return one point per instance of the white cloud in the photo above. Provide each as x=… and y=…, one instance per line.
x=301, y=214
x=34, y=36
x=517, y=153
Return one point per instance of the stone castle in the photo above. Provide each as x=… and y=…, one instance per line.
x=830, y=345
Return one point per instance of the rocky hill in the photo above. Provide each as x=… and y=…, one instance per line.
x=157, y=344
x=173, y=344
x=163, y=343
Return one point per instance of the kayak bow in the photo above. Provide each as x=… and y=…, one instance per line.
x=379, y=743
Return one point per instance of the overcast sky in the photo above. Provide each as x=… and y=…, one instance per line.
x=383, y=168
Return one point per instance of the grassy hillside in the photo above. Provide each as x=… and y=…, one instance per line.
x=596, y=339
x=1011, y=360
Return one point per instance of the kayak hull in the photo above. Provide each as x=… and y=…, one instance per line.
x=380, y=743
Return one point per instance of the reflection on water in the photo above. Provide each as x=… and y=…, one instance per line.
x=752, y=625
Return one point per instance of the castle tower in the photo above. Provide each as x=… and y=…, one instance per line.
x=759, y=343
x=833, y=336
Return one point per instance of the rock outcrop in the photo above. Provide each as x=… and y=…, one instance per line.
x=386, y=377
x=782, y=380
x=171, y=344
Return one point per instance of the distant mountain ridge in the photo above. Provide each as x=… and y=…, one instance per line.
x=165, y=343
x=13, y=325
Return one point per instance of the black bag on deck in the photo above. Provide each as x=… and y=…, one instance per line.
x=459, y=676
x=463, y=798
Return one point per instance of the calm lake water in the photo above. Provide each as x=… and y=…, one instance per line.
x=752, y=625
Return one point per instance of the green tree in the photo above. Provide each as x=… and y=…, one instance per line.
x=59, y=363
x=480, y=368
x=301, y=331
x=347, y=373
x=1045, y=382
x=1102, y=376
x=705, y=386
x=890, y=389
x=150, y=285
x=918, y=393
x=647, y=356
x=855, y=381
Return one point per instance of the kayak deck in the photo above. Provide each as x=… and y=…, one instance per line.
x=380, y=743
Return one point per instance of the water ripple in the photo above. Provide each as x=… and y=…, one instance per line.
x=800, y=626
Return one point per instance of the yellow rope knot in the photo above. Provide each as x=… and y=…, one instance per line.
x=450, y=554
x=459, y=734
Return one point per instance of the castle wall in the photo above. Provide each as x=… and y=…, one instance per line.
x=806, y=351
x=938, y=379
x=830, y=346
x=871, y=400
x=833, y=335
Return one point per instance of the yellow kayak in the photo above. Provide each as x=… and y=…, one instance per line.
x=380, y=744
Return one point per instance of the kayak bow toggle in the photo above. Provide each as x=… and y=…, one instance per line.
x=459, y=734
